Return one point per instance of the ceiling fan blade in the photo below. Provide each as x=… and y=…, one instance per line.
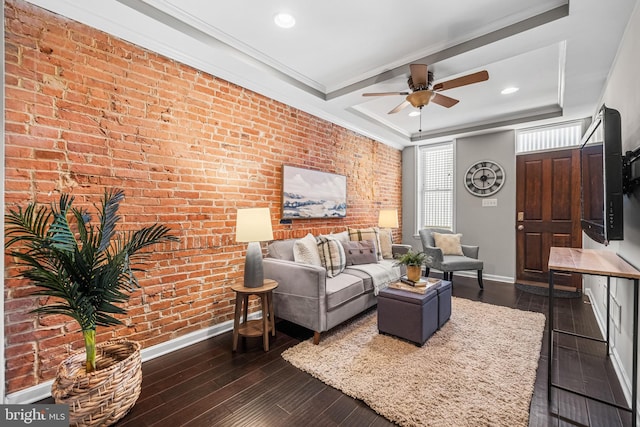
x=385, y=93
x=444, y=100
x=419, y=74
x=404, y=104
x=480, y=76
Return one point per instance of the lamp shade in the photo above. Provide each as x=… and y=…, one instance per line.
x=388, y=218
x=253, y=225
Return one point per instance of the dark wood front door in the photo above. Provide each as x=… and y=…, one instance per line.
x=547, y=213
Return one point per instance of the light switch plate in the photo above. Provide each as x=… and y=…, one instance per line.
x=489, y=202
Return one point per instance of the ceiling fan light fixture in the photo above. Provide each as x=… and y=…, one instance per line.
x=284, y=20
x=423, y=91
x=420, y=98
x=509, y=90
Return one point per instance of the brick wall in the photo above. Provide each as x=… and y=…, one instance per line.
x=85, y=111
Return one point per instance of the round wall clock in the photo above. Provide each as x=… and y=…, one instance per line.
x=484, y=178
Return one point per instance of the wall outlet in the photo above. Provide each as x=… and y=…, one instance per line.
x=489, y=203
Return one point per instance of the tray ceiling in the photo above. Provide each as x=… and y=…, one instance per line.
x=557, y=53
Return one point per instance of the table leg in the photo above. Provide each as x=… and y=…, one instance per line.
x=608, y=311
x=634, y=378
x=272, y=317
x=236, y=321
x=245, y=318
x=265, y=322
x=550, y=338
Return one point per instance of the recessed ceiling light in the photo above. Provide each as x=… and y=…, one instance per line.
x=284, y=20
x=414, y=113
x=508, y=90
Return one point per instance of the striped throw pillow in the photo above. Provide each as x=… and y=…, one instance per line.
x=331, y=255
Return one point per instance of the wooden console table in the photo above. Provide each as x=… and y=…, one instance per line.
x=597, y=263
x=258, y=327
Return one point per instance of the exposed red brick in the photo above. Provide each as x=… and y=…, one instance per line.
x=85, y=111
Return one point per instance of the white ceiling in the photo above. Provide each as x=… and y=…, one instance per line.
x=558, y=54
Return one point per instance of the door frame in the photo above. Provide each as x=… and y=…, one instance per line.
x=575, y=281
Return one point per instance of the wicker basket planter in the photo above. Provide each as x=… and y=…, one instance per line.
x=102, y=397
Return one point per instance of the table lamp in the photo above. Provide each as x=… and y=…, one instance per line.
x=388, y=218
x=253, y=225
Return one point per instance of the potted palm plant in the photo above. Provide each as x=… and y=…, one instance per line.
x=413, y=261
x=88, y=269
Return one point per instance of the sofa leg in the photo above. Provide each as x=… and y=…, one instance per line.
x=316, y=338
x=480, y=279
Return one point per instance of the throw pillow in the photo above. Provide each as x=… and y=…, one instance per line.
x=366, y=234
x=305, y=251
x=331, y=255
x=385, y=243
x=343, y=236
x=449, y=243
x=360, y=252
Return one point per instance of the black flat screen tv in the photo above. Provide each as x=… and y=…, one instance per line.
x=601, y=176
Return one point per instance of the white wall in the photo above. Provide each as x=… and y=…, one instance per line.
x=622, y=92
x=491, y=228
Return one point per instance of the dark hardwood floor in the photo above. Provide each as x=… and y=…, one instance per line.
x=207, y=385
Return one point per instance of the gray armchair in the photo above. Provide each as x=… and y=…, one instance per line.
x=449, y=263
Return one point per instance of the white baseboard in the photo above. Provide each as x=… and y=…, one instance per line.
x=31, y=394
x=43, y=390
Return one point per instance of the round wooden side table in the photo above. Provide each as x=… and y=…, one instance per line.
x=256, y=327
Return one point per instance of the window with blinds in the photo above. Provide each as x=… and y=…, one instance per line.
x=436, y=172
x=563, y=135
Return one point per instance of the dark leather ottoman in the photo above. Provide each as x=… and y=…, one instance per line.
x=444, y=302
x=408, y=315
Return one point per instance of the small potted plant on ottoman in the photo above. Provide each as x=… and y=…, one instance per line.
x=87, y=269
x=413, y=261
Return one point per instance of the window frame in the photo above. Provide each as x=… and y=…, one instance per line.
x=421, y=190
x=561, y=126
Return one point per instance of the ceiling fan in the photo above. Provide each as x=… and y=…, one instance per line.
x=424, y=91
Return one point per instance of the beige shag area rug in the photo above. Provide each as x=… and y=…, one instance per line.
x=479, y=369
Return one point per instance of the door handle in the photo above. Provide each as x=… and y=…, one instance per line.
x=520, y=227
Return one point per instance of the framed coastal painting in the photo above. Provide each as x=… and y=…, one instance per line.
x=313, y=194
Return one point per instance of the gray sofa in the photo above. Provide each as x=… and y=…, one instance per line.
x=307, y=297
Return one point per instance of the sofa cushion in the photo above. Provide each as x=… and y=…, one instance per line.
x=332, y=255
x=281, y=249
x=360, y=252
x=367, y=282
x=386, y=243
x=341, y=289
x=305, y=251
x=382, y=271
x=371, y=233
x=448, y=243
